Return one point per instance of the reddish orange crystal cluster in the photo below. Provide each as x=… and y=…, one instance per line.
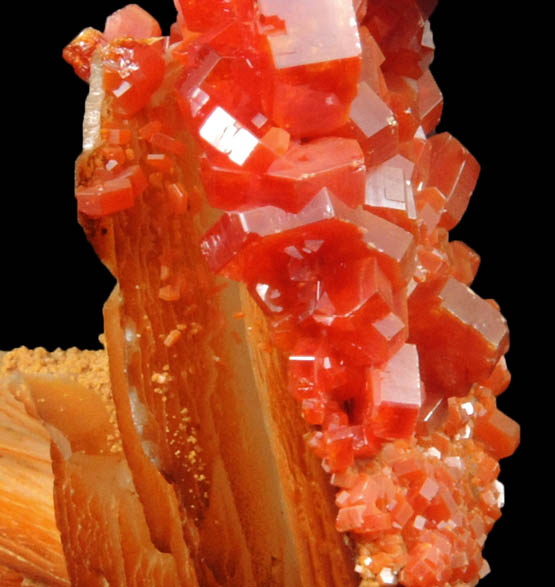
x=313, y=121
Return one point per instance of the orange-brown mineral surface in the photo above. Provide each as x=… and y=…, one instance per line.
x=66, y=482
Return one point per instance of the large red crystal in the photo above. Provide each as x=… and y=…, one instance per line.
x=313, y=124
x=316, y=55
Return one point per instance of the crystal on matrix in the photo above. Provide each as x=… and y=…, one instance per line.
x=310, y=124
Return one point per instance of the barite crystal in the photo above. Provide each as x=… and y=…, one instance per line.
x=311, y=126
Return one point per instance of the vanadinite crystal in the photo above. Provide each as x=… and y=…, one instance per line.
x=313, y=125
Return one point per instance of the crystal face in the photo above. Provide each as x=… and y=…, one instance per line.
x=310, y=126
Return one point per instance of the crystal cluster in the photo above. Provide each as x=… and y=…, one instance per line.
x=314, y=131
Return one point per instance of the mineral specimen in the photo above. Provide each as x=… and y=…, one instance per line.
x=310, y=126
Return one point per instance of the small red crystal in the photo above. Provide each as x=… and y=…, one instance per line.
x=397, y=395
x=132, y=72
x=131, y=21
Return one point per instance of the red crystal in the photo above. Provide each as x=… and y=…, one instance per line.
x=333, y=163
x=132, y=72
x=389, y=192
x=499, y=433
x=131, y=21
x=396, y=395
x=430, y=101
x=459, y=335
x=112, y=194
x=373, y=124
x=446, y=165
x=80, y=51
x=316, y=59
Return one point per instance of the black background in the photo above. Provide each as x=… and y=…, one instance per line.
x=52, y=286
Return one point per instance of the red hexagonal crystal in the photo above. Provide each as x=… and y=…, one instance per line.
x=396, y=395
